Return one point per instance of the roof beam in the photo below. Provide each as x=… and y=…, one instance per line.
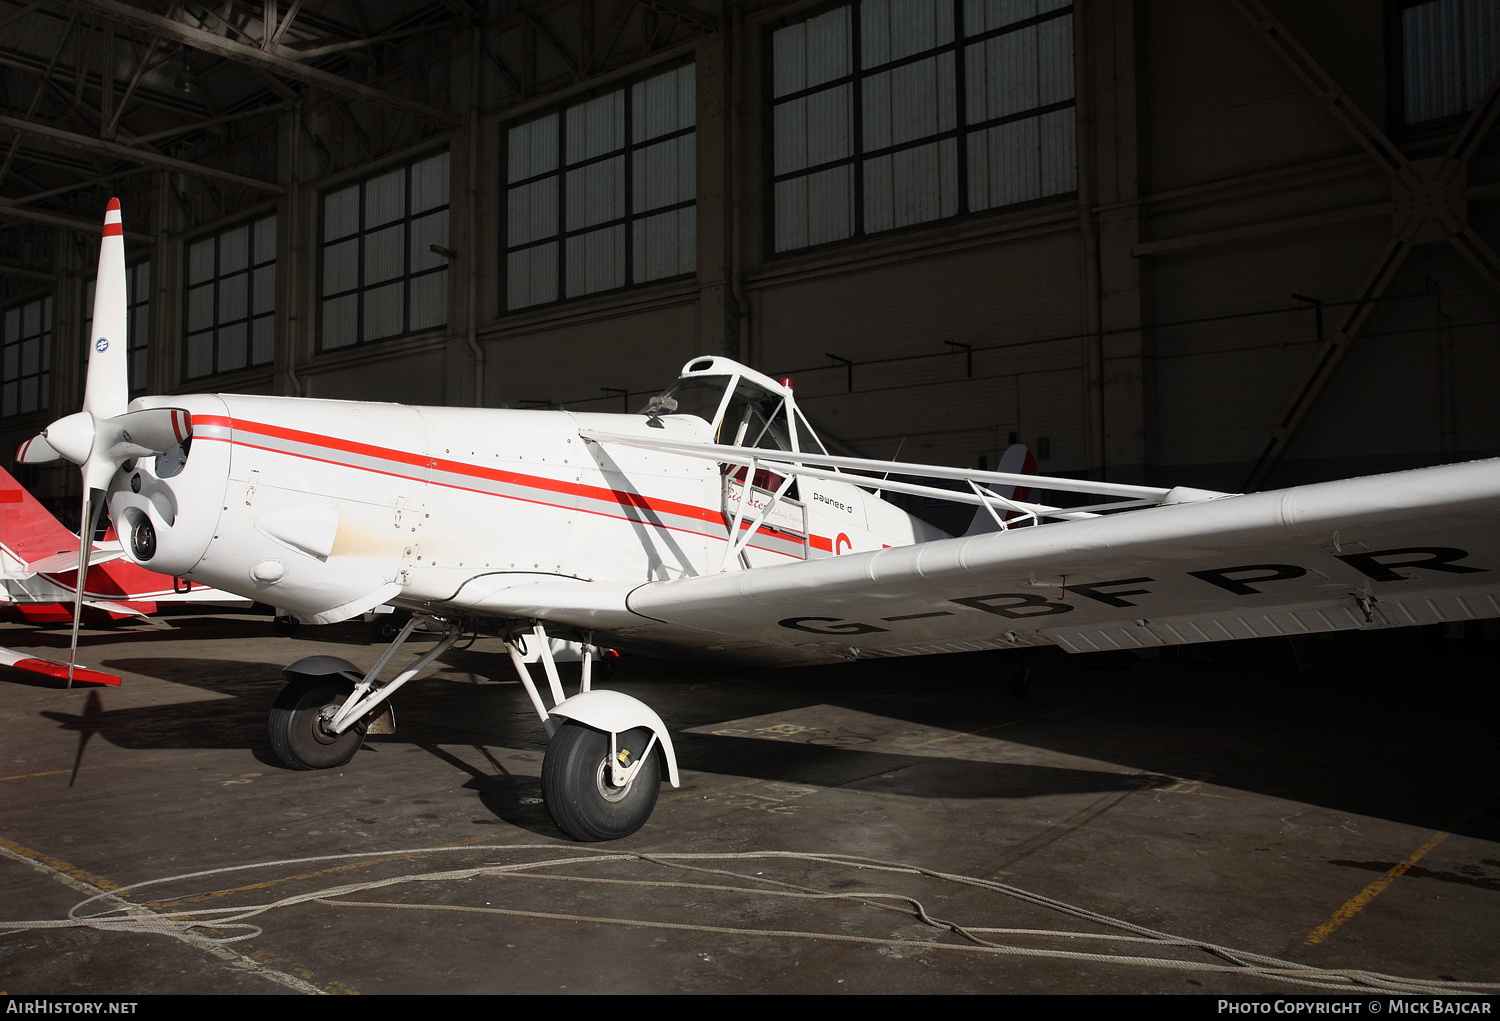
x=228, y=48
x=117, y=150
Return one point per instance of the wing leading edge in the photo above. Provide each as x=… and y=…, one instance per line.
x=1392, y=550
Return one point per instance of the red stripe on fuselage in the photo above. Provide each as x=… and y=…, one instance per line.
x=542, y=483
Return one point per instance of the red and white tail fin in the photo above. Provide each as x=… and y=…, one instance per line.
x=1017, y=460
x=28, y=530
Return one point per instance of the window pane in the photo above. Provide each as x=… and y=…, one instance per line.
x=341, y=267
x=340, y=321
x=532, y=148
x=263, y=290
x=596, y=261
x=142, y=275
x=265, y=239
x=909, y=102
x=892, y=29
x=531, y=276
x=429, y=300
x=663, y=104
x=911, y=186
x=815, y=209
x=232, y=297
x=813, y=130
x=234, y=250
x=341, y=213
x=425, y=232
x=385, y=198
x=200, y=354
x=429, y=183
x=531, y=212
x=200, y=308
x=596, y=193
x=200, y=261
x=664, y=174
x=232, y=348
x=596, y=127
x=666, y=245
x=263, y=340
x=810, y=53
x=384, y=311
x=385, y=254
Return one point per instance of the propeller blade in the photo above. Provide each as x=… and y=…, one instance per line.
x=107, y=389
x=141, y=433
x=36, y=451
x=85, y=547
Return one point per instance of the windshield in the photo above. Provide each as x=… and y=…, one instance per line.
x=755, y=418
x=699, y=396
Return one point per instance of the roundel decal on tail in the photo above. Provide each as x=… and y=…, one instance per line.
x=101, y=345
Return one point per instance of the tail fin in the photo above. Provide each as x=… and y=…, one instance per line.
x=1017, y=460
x=29, y=530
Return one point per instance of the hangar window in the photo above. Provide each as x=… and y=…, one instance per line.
x=891, y=113
x=137, y=328
x=603, y=194
x=26, y=354
x=1447, y=53
x=384, y=271
x=231, y=299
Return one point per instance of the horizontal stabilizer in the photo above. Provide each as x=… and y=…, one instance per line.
x=53, y=668
x=67, y=560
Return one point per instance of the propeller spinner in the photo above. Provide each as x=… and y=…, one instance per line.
x=105, y=434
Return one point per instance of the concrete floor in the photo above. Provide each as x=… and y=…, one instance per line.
x=1239, y=794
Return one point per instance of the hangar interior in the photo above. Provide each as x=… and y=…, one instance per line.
x=1237, y=244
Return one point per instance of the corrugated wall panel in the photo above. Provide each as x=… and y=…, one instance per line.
x=531, y=276
x=429, y=183
x=1451, y=53
x=812, y=52
x=596, y=193
x=663, y=104
x=532, y=148
x=596, y=261
x=596, y=127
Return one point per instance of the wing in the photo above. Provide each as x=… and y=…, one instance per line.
x=1408, y=548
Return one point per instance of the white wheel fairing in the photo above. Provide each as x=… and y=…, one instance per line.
x=614, y=712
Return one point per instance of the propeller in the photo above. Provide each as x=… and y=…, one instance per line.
x=104, y=435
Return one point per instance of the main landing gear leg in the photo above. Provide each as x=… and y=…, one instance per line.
x=321, y=717
x=602, y=770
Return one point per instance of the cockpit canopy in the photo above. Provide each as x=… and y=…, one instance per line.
x=745, y=408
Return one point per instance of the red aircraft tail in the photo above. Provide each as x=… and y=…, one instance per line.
x=27, y=529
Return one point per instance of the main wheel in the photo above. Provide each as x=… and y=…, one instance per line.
x=298, y=720
x=577, y=789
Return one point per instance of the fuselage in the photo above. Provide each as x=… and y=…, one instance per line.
x=326, y=508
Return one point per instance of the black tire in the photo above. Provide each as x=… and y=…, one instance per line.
x=297, y=736
x=285, y=626
x=576, y=788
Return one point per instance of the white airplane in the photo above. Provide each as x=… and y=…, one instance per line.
x=714, y=523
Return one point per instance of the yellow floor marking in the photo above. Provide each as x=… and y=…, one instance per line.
x=92, y=885
x=1023, y=719
x=1356, y=903
x=95, y=884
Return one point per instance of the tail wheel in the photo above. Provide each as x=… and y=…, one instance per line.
x=298, y=724
x=577, y=788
